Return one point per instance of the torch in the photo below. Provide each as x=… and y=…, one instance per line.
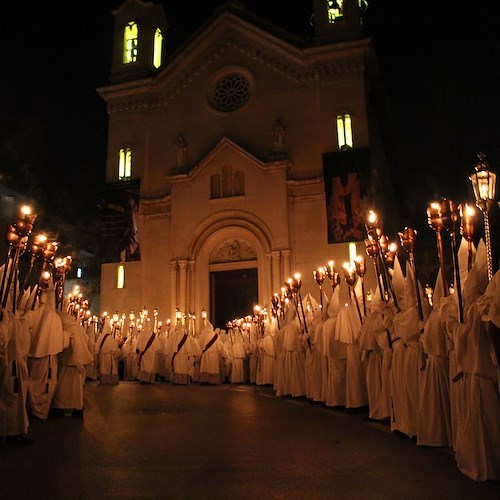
x=484, y=185
x=467, y=229
x=36, y=250
x=360, y=271
x=450, y=218
x=436, y=222
x=319, y=277
x=17, y=238
x=407, y=238
x=333, y=276
x=62, y=267
x=350, y=279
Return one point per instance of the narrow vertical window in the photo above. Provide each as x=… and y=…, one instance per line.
x=344, y=131
x=227, y=181
x=157, y=48
x=239, y=183
x=215, y=186
x=120, y=276
x=335, y=10
x=130, y=37
x=125, y=164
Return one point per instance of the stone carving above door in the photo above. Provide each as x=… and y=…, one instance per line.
x=232, y=251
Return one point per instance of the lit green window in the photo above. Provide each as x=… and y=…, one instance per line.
x=344, y=131
x=335, y=10
x=125, y=164
x=158, y=43
x=120, y=276
x=130, y=43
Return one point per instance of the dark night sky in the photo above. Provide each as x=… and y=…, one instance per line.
x=440, y=67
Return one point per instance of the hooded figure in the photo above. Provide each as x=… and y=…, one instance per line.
x=267, y=353
x=238, y=355
x=107, y=352
x=181, y=360
x=146, y=348
x=434, y=411
x=373, y=356
x=294, y=347
x=212, y=350
x=47, y=340
x=336, y=353
x=407, y=363
x=14, y=347
x=313, y=368
x=477, y=438
x=72, y=368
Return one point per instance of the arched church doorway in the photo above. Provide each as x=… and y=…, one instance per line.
x=233, y=293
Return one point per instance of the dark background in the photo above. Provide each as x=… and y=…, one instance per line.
x=439, y=72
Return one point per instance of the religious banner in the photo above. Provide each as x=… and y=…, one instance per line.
x=119, y=236
x=346, y=177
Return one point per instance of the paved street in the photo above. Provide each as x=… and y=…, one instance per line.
x=228, y=441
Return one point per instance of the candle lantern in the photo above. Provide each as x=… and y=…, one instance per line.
x=484, y=185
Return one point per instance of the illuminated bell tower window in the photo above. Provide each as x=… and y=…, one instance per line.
x=120, y=276
x=157, y=49
x=125, y=164
x=130, y=37
x=344, y=131
x=335, y=10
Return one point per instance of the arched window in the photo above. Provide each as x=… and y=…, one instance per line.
x=130, y=37
x=335, y=10
x=157, y=48
x=120, y=276
x=125, y=164
x=239, y=183
x=344, y=131
x=215, y=186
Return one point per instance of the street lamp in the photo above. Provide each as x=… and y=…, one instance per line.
x=484, y=185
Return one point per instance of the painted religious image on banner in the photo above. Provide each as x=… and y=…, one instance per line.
x=345, y=189
x=119, y=207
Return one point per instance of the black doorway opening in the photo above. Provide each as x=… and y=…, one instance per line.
x=232, y=295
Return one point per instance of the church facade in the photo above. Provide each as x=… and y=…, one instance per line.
x=245, y=156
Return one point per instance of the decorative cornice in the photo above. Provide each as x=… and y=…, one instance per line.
x=302, y=67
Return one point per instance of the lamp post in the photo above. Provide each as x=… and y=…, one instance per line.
x=484, y=184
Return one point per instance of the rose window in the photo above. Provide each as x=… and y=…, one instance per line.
x=230, y=93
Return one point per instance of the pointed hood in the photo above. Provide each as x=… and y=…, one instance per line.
x=399, y=284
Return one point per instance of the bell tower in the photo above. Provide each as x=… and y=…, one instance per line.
x=338, y=20
x=138, y=41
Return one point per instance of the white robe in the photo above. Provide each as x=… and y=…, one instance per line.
x=477, y=445
x=72, y=362
x=434, y=411
x=211, y=369
x=146, y=349
x=14, y=347
x=107, y=352
x=46, y=343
